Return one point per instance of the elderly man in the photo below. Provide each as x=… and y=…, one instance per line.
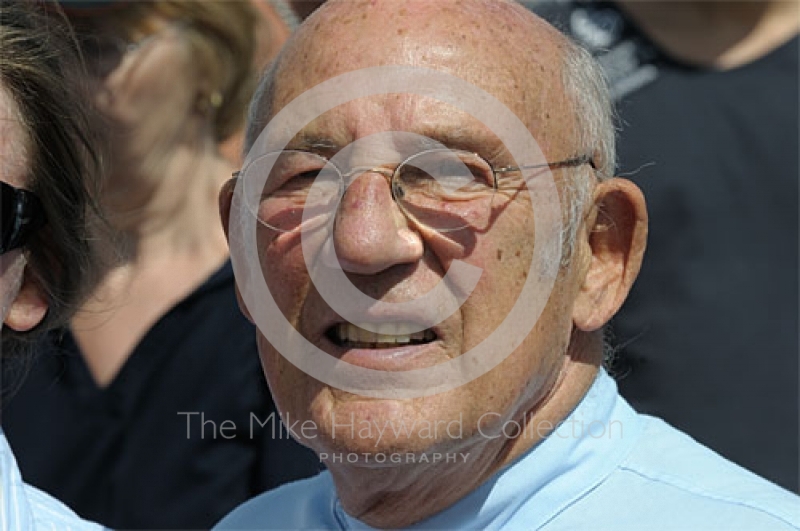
x=408, y=191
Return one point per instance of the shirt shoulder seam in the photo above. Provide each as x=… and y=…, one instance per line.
x=678, y=483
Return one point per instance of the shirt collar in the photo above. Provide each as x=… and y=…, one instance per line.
x=585, y=448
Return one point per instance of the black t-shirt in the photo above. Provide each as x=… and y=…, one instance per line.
x=135, y=454
x=709, y=334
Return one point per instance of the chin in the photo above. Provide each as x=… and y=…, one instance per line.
x=352, y=424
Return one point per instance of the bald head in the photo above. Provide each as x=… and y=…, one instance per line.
x=498, y=46
x=554, y=86
x=479, y=39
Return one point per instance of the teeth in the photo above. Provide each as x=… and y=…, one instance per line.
x=405, y=329
x=367, y=337
x=361, y=335
x=388, y=333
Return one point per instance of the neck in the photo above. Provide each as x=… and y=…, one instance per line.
x=719, y=34
x=170, y=209
x=399, y=496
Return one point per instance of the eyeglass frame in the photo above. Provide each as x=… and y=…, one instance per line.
x=29, y=216
x=566, y=163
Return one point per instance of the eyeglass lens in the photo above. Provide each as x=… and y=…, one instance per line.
x=22, y=214
x=443, y=190
x=7, y=215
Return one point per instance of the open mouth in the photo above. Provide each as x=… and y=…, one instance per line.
x=389, y=335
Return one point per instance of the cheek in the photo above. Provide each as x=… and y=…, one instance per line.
x=12, y=266
x=505, y=262
x=288, y=384
x=506, y=256
x=523, y=379
x=285, y=272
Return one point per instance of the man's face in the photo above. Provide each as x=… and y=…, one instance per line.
x=392, y=259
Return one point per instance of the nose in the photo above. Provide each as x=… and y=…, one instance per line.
x=371, y=234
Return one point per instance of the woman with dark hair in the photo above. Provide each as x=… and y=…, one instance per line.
x=157, y=390
x=48, y=258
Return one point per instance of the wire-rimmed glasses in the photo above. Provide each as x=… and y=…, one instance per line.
x=441, y=189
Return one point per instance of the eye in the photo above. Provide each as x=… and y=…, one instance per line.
x=447, y=181
x=303, y=180
x=457, y=175
x=448, y=172
x=316, y=186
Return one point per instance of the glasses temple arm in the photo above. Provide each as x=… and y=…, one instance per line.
x=575, y=161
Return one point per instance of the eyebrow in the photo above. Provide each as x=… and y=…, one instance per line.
x=431, y=136
x=453, y=136
x=314, y=144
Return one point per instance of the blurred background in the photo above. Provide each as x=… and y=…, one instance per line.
x=707, y=102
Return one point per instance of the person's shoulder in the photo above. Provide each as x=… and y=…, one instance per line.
x=702, y=486
x=23, y=506
x=49, y=513
x=670, y=482
x=305, y=504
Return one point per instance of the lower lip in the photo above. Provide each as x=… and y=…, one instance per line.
x=399, y=358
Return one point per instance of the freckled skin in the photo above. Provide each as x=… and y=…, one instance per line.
x=524, y=378
x=516, y=57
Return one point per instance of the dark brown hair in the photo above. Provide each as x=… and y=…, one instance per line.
x=38, y=67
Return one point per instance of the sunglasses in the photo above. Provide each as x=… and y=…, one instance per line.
x=21, y=214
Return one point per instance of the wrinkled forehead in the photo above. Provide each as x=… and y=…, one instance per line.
x=496, y=47
x=403, y=124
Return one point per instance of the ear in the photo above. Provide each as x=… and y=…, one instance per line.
x=617, y=236
x=29, y=306
x=225, y=201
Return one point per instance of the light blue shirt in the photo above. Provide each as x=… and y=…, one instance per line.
x=25, y=508
x=622, y=471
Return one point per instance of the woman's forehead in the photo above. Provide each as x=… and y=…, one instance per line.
x=13, y=144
